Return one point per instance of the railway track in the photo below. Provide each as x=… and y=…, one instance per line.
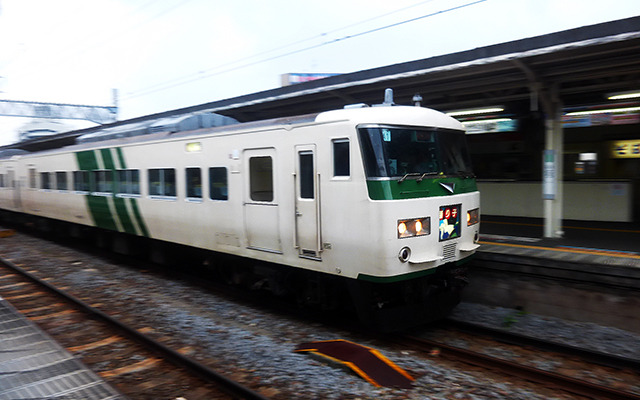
x=139, y=366
x=592, y=356
x=141, y=297
x=553, y=380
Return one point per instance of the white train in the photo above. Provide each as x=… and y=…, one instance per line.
x=373, y=206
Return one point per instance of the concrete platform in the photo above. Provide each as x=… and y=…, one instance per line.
x=592, y=274
x=614, y=244
x=34, y=366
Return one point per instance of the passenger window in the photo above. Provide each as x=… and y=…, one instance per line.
x=306, y=175
x=261, y=178
x=32, y=178
x=194, y=183
x=128, y=181
x=103, y=181
x=341, y=158
x=218, y=189
x=61, y=181
x=45, y=181
x=81, y=181
x=162, y=182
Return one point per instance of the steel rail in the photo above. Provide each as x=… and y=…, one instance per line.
x=595, y=357
x=230, y=386
x=563, y=382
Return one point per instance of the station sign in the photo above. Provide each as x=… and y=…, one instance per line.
x=599, y=119
x=293, y=78
x=625, y=149
x=490, y=126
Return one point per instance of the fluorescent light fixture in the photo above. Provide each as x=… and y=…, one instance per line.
x=486, y=121
x=624, y=96
x=460, y=113
x=588, y=156
x=608, y=110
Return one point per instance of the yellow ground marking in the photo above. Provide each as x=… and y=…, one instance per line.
x=565, y=250
x=354, y=367
x=564, y=227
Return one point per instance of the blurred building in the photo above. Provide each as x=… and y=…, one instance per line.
x=40, y=128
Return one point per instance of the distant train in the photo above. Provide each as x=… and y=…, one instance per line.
x=376, y=207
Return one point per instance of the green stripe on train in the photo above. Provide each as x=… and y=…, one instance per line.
x=412, y=189
x=99, y=205
x=120, y=205
x=133, y=202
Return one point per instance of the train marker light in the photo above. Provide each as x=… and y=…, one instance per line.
x=473, y=216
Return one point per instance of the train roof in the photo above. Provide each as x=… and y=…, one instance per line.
x=199, y=124
x=393, y=115
x=203, y=123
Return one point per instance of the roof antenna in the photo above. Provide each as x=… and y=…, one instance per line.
x=417, y=99
x=388, y=97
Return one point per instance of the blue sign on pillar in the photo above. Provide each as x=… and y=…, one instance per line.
x=549, y=179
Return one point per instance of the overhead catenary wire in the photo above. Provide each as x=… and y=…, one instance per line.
x=278, y=48
x=227, y=66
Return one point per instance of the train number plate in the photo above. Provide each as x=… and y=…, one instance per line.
x=449, y=226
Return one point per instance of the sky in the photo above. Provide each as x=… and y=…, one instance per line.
x=166, y=54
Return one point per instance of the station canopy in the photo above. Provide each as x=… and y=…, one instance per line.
x=583, y=65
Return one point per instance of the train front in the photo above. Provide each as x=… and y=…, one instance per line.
x=424, y=207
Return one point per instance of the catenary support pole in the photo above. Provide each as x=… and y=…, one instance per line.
x=552, y=183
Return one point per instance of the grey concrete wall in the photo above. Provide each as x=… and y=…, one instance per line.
x=590, y=201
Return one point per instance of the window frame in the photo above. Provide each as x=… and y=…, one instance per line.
x=257, y=180
x=213, y=190
x=46, y=181
x=190, y=195
x=164, y=182
x=33, y=178
x=101, y=182
x=341, y=141
x=64, y=181
x=85, y=186
x=128, y=187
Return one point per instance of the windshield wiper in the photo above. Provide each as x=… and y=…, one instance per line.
x=426, y=174
x=408, y=175
x=420, y=175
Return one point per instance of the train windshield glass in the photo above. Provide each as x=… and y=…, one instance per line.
x=414, y=153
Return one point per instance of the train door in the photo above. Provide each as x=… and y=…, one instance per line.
x=307, y=207
x=261, y=209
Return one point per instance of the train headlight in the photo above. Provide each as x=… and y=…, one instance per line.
x=418, y=226
x=473, y=216
x=402, y=228
x=414, y=227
